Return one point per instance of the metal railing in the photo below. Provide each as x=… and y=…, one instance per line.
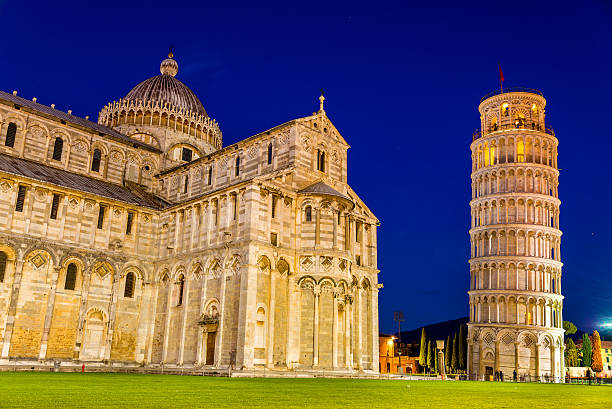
x=511, y=89
x=517, y=124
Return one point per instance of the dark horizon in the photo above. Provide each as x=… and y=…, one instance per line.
x=402, y=85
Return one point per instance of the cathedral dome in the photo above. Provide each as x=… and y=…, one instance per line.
x=165, y=88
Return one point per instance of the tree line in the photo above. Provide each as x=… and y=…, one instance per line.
x=589, y=354
x=455, y=352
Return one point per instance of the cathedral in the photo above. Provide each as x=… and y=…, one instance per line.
x=516, y=322
x=140, y=241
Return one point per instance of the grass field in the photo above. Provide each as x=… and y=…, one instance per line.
x=70, y=390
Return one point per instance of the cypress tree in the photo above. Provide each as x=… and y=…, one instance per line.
x=430, y=356
x=596, y=363
x=571, y=354
x=454, y=360
x=434, y=352
x=462, y=348
x=587, y=350
x=423, y=350
x=448, y=353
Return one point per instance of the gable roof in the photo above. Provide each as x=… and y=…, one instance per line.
x=59, y=177
x=52, y=113
x=321, y=188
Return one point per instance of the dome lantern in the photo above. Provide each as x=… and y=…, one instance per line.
x=169, y=66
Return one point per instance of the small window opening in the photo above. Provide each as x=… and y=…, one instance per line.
x=58, y=147
x=270, y=154
x=274, y=198
x=3, y=259
x=101, y=216
x=186, y=184
x=11, y=131
x=95, y=163
x=274, y=239
x=358, y=260
x=308, y=212
x=71, y=273
x=210, y=175
x=181, y=290
x=237, y=170
x=54, y=206
x=20, y=198
x=187, y=154
x=129, y=285
x=130, y=220
x=235, y=206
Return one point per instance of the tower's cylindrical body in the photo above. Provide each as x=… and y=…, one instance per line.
x=516, y=323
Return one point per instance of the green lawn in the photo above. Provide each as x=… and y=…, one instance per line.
x=67, y=390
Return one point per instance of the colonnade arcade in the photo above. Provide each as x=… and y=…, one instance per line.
x=515, y=149
x=46, y=279
x=513, y=241
x=337, y=321
x=533, y=179
x=533, y=355
x=544, y=212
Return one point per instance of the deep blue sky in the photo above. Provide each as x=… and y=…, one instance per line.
x=402, y=85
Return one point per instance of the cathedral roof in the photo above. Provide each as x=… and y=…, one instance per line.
x=58, y=115
x=165, y=88
x=321, y=188
x=60, y=177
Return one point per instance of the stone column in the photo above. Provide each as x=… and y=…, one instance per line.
x=318, y=228
x=317, y=293
x=112, y=313
x=516, y=358
x=201, y=350
x=359, y=328
x=151, y=329
x=335, y=331
x=348, y=356
x=184, y=319
x=49, y=313
x=374, y=317
x=12, y=309
x=537, y=361
x=78, y=345
x=272, y=304
x=293, y=322
x=496, y=355
x=168, y=319
x=335, y=228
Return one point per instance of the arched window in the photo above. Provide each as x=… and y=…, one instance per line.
x=58, y=147
x=320, y=160
x=2, y=265
x=505, y=109
x=95, y=162
x=237, y=170
x=129, y=285
x=260, y=329
x=71, y=273
x=308, y=213
x=520, y=151
x=11, y=131
x=210, y=175
x=270, y=154
x=181, y=290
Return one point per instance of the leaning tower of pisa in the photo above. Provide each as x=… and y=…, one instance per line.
x=515, y=265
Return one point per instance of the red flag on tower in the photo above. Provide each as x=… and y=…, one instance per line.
x=501, y=74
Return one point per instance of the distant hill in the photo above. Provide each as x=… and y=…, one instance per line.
x=436, y=331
